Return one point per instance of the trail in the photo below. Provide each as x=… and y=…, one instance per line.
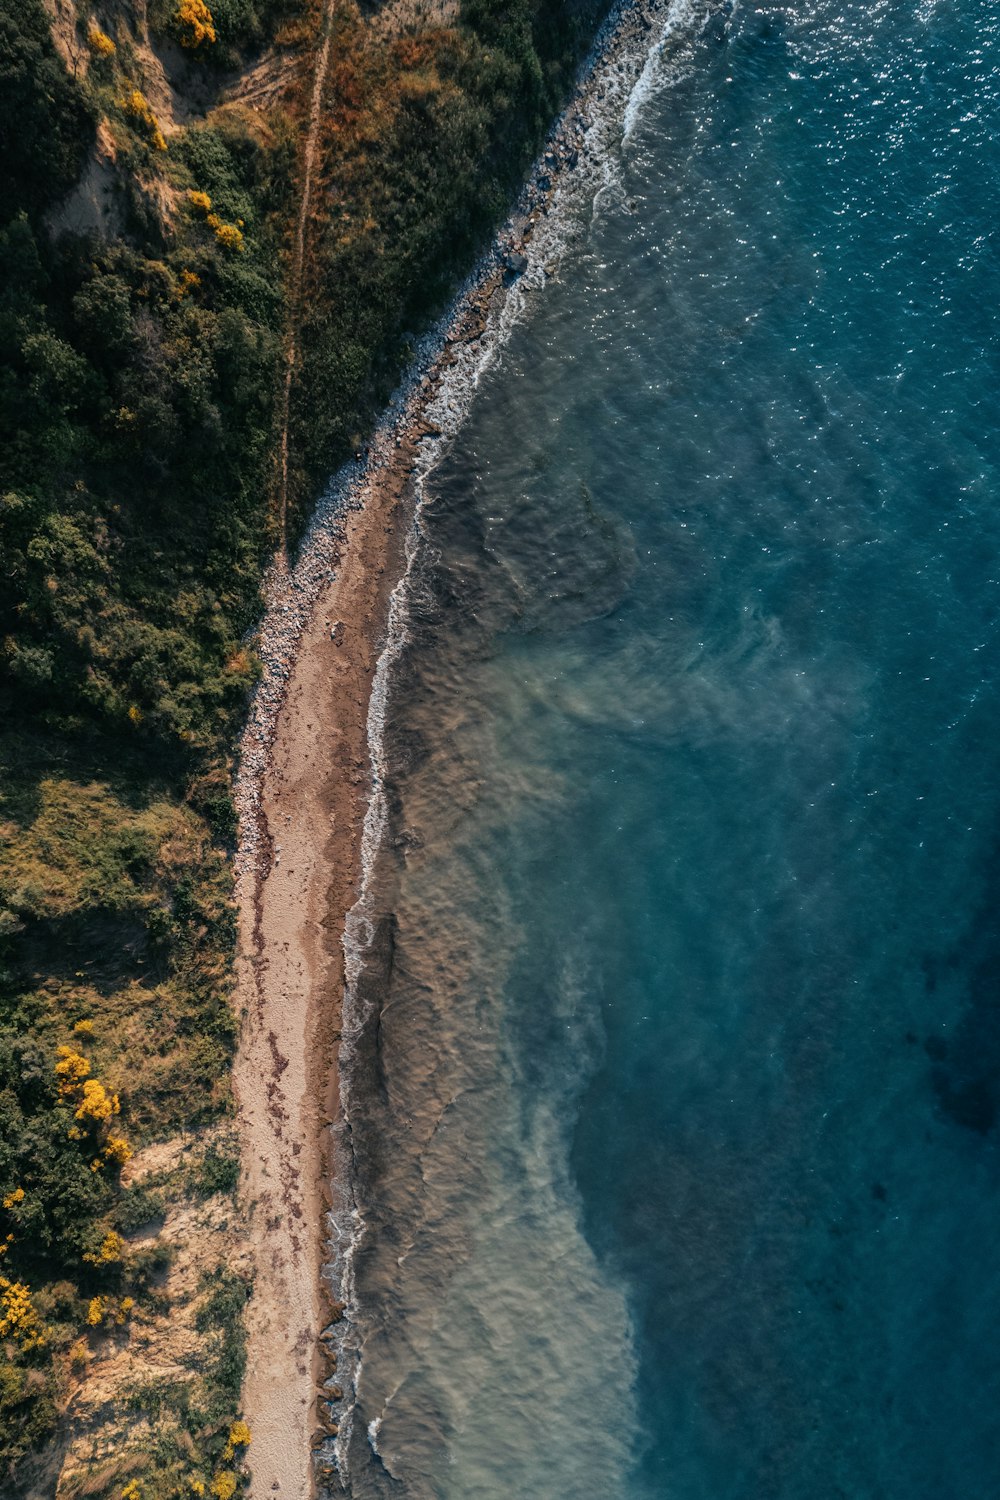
x=298, y=263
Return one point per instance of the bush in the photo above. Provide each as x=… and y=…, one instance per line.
x=218, y=1173
x=139, y=1208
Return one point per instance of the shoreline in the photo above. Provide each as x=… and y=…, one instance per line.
x=308, y=787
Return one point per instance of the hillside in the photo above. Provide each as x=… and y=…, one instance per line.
x=188, y=348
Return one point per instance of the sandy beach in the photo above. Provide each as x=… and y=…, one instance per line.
x=303, y=789
x=312, y=797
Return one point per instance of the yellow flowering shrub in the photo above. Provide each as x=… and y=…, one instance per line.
x=197, y=1486
x=239, y=1437
x=227, y=234
x=95, y=1311
x=83, y=1028
x=136, y=106
x=100, y=43
x=118, y=1150
x=18, y=1318
x=195, y=23
x=199, y=200
x=71, y=1069
x=97, y=1104
x=190, y=281
x=224, y=1485
x=132, y=1491
x=110, y=1251
x=14, y=1198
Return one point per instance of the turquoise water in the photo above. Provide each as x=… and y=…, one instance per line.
x=675, y=1117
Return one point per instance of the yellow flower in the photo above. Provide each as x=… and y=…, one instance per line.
x=137, y=107
x=226, y=234
x=229, y=236
x=100, y=43
x=71, y=1069
x=199, y=200
x=95, y=1311
x=83, y=1028
x=118, y=1150
x=18, y=1318
x=224, y=1485
x=12, y=1199
x=97, y=1104
x=132, y=1491
x=239, y=1437
x=190, y=281
x=110, y=1251
x=196, y=24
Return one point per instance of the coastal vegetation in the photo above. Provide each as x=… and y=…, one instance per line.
x=146, y=222
x=426, y=135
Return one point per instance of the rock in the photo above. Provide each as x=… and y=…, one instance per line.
x=515, y=262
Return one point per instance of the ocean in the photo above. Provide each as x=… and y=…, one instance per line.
x=674, y=1067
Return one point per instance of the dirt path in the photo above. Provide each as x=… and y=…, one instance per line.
x=298, y=261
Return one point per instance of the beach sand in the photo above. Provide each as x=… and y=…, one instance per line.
x=312, y=795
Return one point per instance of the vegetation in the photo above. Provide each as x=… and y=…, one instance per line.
x=137, y=378
x=139, y=387
x=426, y=137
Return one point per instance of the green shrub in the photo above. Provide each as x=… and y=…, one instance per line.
x=46, y=124
x=218, y=1173
x=139, y=1208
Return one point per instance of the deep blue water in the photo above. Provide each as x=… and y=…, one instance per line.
x=680, y=1157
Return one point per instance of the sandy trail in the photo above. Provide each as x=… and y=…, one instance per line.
x=298, y=261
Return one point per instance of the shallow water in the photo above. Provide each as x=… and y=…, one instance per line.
x=675, y=1118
